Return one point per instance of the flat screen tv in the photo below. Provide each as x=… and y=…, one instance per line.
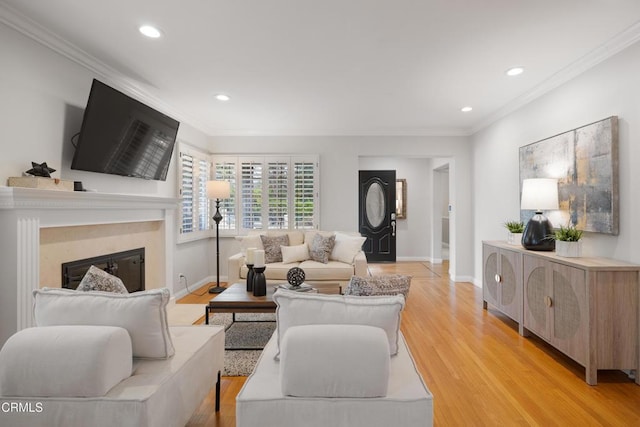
x=122, y=136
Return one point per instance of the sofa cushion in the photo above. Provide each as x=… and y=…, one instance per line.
x=64, y=361
x=295, y=309
x=346, y=247
x=142, y=314
x=321, y=247
x=390, y=284
x=333, y=270
x=363, y=352
x=96, y=279
x=272, y=244
x=295, y=253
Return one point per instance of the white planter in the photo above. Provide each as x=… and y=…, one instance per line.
x=569, y=249
x=514, y=239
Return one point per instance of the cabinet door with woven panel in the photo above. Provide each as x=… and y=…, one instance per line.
x=569, y=311
x=502, y=280
x=555, y=305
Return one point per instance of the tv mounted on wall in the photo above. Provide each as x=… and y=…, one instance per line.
x=122, y=136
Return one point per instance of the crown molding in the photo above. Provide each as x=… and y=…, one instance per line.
x=345, y=132
x=47, y=38
x=616, y=44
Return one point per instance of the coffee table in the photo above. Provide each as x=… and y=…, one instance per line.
x=236, y=299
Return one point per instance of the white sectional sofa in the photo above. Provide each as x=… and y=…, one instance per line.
x=346, y=258
x=335, y=361
x=90, y=363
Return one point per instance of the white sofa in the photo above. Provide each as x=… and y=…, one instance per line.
x=344, y=262
x=72, y=370
x=335, y=361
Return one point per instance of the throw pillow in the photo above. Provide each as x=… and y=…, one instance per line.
x=142, y=314
x=272, y=251
x=321, y=248
x=99, y=280
x=296, y=253
x=391, y=284
x=346, y=247
x=300, y=308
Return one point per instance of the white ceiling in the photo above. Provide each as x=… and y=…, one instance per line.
x=333, y=67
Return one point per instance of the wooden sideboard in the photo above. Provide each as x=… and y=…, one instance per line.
x=588, y=308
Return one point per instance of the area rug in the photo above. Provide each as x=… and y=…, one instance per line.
x=244, y=340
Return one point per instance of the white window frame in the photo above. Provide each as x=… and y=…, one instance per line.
x=199, y=202
x=264, y=160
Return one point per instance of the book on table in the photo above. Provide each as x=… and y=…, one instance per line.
x=302, y=288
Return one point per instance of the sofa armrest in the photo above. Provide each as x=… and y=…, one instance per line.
x=234, y=263
x=360, y=265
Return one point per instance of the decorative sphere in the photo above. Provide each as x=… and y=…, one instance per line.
x=295, y=277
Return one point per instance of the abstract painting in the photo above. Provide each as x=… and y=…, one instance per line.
x=585, y=162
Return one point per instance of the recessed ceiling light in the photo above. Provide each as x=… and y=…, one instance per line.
x=466, y=109
x=149, y=31
x=222, y=97
x=515, y=71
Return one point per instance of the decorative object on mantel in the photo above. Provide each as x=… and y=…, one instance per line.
x=568, y=243
x=40, y=169
x=539, y=194
x=39, y=176
x=516, y=228
x=585, y=162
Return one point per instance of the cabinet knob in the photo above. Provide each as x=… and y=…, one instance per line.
x=497, y=278
x=548, y=301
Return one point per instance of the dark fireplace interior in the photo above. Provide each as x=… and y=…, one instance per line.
x=127, y=265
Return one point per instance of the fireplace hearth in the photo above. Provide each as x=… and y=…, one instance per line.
x=127, y=265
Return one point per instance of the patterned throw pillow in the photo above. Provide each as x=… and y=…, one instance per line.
x=99, y=280
x=272, y=251
x=321, y=248
x=391, y=284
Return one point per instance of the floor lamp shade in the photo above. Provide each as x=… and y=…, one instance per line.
x=539, y=194
x=218, y=190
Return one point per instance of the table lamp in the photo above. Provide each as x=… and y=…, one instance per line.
x=539, y=194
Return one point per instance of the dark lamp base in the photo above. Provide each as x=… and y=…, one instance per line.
x=216, y=289
x=538, y=234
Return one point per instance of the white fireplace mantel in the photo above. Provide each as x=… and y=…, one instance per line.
x=24, y=211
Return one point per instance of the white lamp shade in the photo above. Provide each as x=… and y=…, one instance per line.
x=539, y=194
x=218, y=189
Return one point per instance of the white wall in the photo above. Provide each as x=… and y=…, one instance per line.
x=413, y=232
x=339, y=165
x=43, y=96
x=610, y=88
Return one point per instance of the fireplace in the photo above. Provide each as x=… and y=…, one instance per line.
x=127, y=265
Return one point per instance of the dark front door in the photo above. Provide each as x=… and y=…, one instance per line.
x=377, y=214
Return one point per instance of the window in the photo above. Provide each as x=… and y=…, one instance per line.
x=269, y=192
x=195, y=211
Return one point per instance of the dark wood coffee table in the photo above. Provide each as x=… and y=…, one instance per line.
x=236, y=299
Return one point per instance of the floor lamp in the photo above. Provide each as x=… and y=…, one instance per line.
x=218, y=190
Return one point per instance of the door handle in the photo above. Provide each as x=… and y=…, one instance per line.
x=393, y=228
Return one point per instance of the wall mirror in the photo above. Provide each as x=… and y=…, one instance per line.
x=401, y=198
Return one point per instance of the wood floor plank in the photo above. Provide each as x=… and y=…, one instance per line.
x=479, y=369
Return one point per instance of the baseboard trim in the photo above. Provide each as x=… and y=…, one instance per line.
x=412, y=258
x=183, y=292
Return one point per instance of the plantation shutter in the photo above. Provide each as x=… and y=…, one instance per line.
x=203, y=201
x=304, y=193
x=251, y=194
x=186, y=192
x=225, y=170
x=278, y=193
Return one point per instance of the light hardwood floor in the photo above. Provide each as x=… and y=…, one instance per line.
x=480, y=371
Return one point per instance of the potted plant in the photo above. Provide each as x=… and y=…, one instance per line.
x=568, y=242
x=516, y=228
